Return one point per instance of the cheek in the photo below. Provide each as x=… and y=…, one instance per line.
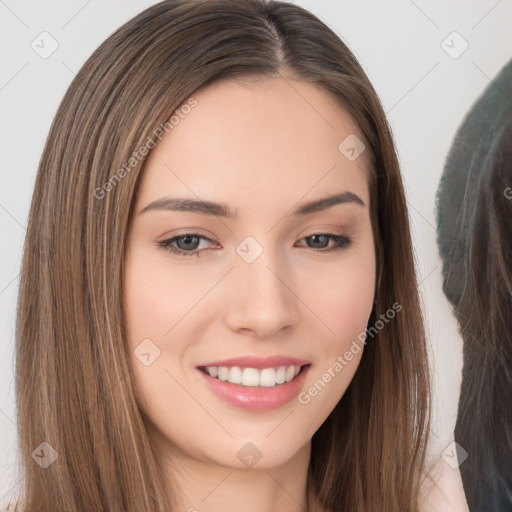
x=352, y=304
x=152, y=309
x=156, y=295
x=144, y=306
x=344, y=305
x=342, y=299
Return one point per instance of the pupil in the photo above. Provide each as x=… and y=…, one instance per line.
x=187, y=241
x=316, y=237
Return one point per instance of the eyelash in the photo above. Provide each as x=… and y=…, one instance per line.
x=343, y=243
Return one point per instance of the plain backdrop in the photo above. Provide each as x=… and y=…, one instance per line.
x=421, y=70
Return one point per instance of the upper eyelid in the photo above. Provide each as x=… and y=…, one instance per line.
x=325, y=230
x=190, y=233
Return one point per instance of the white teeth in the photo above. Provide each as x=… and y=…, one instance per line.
x=268, y=377
x=290, y=373
x=250, y=377
x=223, y=373
x=281, y=375
x=235, y=375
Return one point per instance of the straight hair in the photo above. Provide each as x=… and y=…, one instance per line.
x=74, y=388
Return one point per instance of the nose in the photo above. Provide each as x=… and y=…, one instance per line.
x=263, y=302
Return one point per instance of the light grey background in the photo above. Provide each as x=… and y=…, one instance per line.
x=425, y=91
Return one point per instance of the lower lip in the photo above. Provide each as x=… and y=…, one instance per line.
x=257, y=398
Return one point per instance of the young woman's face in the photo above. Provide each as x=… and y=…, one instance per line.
x=255, y=294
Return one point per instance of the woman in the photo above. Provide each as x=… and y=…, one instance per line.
x=282, y=367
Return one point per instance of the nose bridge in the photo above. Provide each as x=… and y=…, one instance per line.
x=263, y=299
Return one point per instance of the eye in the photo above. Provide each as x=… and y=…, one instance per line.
x=321, y=240
x=187, y=244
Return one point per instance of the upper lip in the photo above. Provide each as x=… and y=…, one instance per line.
x=258, y=362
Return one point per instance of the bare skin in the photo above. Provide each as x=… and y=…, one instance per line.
x=263, y=149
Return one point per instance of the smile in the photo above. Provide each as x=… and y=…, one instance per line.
x=251, y=377
x=255, y=389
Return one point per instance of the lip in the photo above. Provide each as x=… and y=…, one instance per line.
x=256, y=398
x=258, y=362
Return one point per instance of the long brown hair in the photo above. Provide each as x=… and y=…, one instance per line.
x=74, y=388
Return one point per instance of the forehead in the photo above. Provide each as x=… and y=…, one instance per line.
x=274, y=139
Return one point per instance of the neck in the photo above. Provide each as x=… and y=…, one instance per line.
x=201, y=485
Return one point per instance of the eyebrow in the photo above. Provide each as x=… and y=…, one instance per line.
x=222, y=210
